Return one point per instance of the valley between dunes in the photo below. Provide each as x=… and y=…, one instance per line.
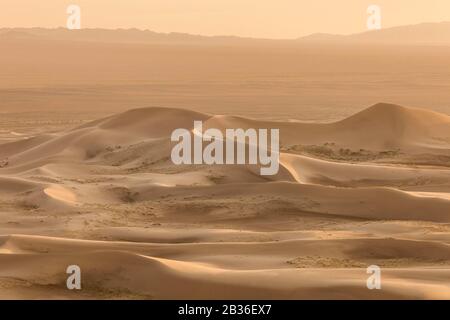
x=372, y=189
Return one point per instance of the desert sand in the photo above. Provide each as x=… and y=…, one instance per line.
x=86, y=176
x=372, y=188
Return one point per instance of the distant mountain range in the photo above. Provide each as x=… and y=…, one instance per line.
x=117, y=35
x=425, y=33
x=420, y=34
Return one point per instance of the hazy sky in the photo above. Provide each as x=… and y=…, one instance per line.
x=254, y=18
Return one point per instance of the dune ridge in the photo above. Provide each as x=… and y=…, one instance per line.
x=373, y=188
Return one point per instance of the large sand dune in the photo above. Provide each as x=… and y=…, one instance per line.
x=373, y=188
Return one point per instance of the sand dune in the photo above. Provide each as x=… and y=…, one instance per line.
x=122, y=273
x=380, y=127
x=316, y=171
x=370, y=189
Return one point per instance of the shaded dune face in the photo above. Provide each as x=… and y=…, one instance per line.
x=373, y=188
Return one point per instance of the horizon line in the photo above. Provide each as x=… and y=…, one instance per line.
x=224, y=35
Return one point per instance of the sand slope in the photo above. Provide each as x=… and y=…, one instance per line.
x=121, y=270
x=370, y=189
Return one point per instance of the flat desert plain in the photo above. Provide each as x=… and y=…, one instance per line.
x=86, y=176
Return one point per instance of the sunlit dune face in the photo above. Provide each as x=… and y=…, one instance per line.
x=61, y=194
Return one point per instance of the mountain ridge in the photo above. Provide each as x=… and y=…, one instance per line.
x=436, y=33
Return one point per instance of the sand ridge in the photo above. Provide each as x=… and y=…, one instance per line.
x=370, y=189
